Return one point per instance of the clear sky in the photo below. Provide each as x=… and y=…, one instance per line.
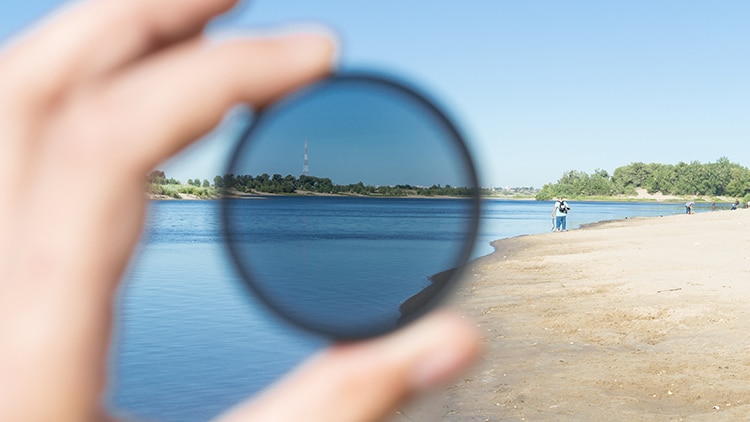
x=539, y=87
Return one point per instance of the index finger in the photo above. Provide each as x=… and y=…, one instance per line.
x=95, y=36
x=197, y=83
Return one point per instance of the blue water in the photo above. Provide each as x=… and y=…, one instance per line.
x=344, y=265
x=192, y=341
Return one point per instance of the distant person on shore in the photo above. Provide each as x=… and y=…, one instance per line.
x=713, y=206
x=736, y=204
x=93, y=99
x=560, y=214
x=689, y=207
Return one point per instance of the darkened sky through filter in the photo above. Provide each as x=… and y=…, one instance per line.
x=356, y=133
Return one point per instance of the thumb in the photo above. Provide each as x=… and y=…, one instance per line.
x=365, y=381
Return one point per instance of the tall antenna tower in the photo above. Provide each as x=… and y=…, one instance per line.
x=305, y=165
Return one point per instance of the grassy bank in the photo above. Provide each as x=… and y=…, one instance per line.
x=181, y=191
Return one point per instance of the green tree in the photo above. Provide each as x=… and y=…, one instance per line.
x=157, y=177
x=722, y=178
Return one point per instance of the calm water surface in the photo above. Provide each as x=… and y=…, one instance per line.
x=344, y=265
x=191, y=341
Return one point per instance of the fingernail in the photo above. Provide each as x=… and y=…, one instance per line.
x=303, y=41
x=311, y=45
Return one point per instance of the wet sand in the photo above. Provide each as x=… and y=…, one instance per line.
x=641, y=319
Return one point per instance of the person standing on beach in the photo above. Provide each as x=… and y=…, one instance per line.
x=560, y=214
x=689, y=207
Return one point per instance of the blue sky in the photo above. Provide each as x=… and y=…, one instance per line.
x=539, y=87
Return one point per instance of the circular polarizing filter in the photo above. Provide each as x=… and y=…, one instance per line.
x=350, y=207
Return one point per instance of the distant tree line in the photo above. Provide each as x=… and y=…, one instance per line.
x=159, y=184
x=289, y=184
x=158, y=177
x=520, y=192
x=721, y=178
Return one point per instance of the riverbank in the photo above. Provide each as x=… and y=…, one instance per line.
x=641, y=196
x=641, y=319
x=265, y=195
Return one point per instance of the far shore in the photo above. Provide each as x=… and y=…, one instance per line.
x=640, y=196
x=261, y=195
x=641, y=319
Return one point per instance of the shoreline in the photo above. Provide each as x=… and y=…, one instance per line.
x=636, y=319
x=242, y=195
x=641, y=197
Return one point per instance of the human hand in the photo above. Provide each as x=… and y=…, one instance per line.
x=94, y=99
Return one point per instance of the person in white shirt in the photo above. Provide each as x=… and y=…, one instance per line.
x=560, y=214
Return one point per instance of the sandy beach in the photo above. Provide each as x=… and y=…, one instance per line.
x=634, y=320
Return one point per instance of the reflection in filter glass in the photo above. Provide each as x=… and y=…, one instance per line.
x=347, y=201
